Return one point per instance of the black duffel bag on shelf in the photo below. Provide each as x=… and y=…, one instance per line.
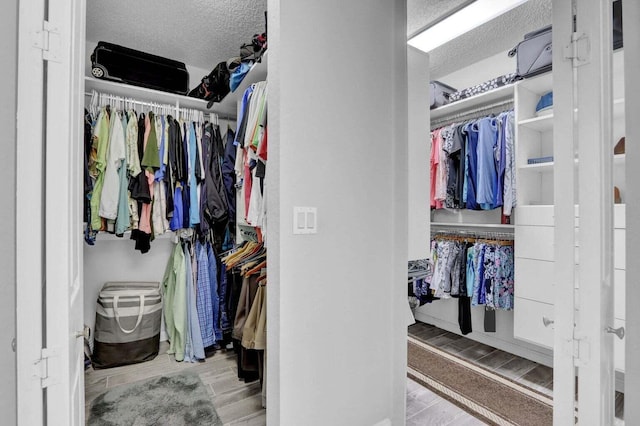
x=214, y=86
x=118, y=63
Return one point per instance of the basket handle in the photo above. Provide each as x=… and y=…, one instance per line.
x=140, y=312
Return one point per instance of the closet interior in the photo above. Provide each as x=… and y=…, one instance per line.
x=174, y=188
x=526, y=327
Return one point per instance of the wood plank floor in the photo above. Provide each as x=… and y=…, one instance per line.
x=237, y=403
x=528, y=373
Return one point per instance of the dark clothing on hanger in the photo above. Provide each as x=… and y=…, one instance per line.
x=464, y=314
x=229, y=175
x=215, y=210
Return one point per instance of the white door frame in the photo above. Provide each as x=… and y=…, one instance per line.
x=596, y=376
x=583, y=70
x=29, y=214
x=49, y=212
x=64, y=201
x=632, y=200
x=563, y=153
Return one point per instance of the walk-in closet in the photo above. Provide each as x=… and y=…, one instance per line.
x=529, y=211
x=169, y=216
x=329, y=250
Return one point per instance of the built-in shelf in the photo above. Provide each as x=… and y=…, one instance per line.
x=539, y=84
x=229, y=105
x=143, y=94
x=105, y=236
x=539, y=167
x=618, y=160
x=543, y=123
x=226, y=109
x=468, y=104
x=472, y=225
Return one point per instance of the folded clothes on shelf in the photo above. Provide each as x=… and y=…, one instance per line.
x=540, y=160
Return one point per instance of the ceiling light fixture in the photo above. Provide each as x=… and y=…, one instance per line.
x=460, y=22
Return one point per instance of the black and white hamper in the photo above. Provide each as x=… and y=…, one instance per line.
x=128, y=317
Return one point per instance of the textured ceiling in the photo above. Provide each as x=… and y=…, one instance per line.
x=202, y=33
x=423, y=13
x=197, y=32
x=496, y=36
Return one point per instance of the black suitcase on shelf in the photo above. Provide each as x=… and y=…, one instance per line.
x=112, y=62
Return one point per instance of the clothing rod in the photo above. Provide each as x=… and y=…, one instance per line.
x=473, y=234
x=475, y=113
x=496, y=227
x=145, y=103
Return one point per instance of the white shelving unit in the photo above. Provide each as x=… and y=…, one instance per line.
x=226, y=109
x=143, y=94
x=229, y=105
x=534, y=230
x=468, y=104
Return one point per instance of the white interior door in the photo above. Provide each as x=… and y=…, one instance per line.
x=63, y=212
x=583, y=153
x=29, y=214
x=49, y=195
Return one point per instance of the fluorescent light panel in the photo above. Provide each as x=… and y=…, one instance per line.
x=466, y=19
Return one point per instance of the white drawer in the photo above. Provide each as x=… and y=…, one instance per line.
x=534, y=242
x=535, y=215
x=527, y=322
x=534, y=279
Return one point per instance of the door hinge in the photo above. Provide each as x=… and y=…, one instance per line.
x=578, y=50
x=49, y=41
x=42, y=367
x=581, y=351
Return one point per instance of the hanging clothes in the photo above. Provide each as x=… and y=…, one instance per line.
x=194, y=347
x=98, y=164
x=175, y=302
x=472, y=164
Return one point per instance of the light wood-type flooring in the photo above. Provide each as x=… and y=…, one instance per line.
x=528, y=373
x=237, y=402
x=240, y=403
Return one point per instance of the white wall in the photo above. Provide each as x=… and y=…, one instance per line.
x=338, y=141
x=481, y=71
x=8, y=84
x=116, y=260
x=418, y=158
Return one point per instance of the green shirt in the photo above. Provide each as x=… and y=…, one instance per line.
x=101, y=141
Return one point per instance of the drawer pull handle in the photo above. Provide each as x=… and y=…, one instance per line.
x=546, y=321
x=617, y=331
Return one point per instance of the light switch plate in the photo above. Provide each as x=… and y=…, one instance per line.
x=305, y=220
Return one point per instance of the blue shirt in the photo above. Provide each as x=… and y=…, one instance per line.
x=472, y=165
x=486, y=168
